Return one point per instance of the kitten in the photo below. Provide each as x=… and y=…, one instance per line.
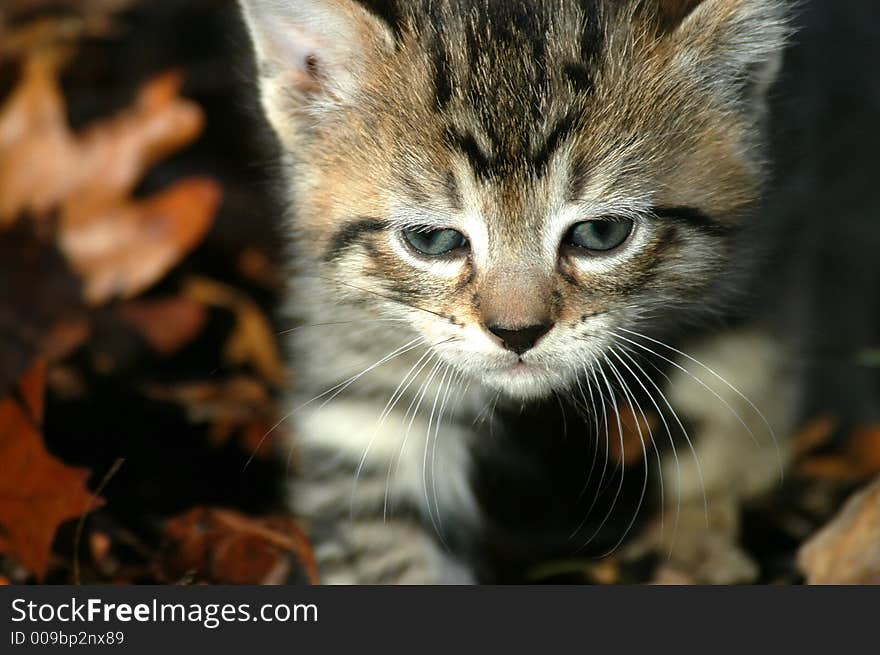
x=514, y=222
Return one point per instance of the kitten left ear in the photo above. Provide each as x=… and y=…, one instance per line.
x=312, y=54
x=740, y=41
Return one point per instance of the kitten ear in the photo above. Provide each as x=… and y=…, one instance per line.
x=311, y=53
x=739, y=43
x=672, y=12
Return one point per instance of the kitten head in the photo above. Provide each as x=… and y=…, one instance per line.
x=517, y=181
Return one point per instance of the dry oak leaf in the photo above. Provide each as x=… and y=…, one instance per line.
x=858, y=460
x=253, y=340
x=37, y=492
x=224, y=547
x=240, y=400
x=635, y=440
x=847, y=551
x=168, y=324
x=119, y=246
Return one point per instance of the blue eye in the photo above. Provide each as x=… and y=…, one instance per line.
x=435, y=243
x=600, y=236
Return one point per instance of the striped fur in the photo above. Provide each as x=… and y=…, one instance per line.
x=509, y=121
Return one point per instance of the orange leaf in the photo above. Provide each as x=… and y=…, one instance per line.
x=847, y=551
x=167, y=325
x=118, y=246
x=125, y=251
x=37, y=492
x=635, y=438
x=253, y=340
x=859, y=459
x=224, y=547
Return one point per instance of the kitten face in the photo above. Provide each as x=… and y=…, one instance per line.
x=516, y=181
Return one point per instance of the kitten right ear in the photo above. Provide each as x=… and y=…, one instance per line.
x=311, y=53
x=673, y=12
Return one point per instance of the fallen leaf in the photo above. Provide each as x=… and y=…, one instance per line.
x=41, y=32
x=847, y=551
x=37, y=492
x=239, y=400
x=224, y=547
x=253, y=340
x=629, y=445
x=858, y=460
x=16, y=9
x=257, y=267
x=813, y=435
x=40, y=300
x=119, y=246
x=168, y=325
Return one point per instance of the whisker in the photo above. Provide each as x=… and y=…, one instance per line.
x=599, y=487
x=630, y=398
x=413, y=412
x=300, y=328
x=399, y=392
x=736, y=391
x=595, y=440
x=453, y=381
x=662, y=415
x=622, y=465
x=343, y=385
x=431, y=424
x=684, y=431
x=377, y=294
x=438, y=528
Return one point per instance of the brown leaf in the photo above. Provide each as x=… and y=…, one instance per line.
x=241, y=408
x=257, y=267
x=859, y=459
x=847, y=551
x=43, y=31
x=120, y=247
x=813, y=435
x=240, y=400
x=224, y=547
x=168, y=325
x=37, y=492
x=253, y=340
x=636, y=435
x=16, y=9
x=39, y=303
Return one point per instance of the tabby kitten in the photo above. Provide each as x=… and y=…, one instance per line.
x=511, y=220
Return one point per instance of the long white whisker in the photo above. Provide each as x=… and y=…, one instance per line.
x=311, y=326
x=399, y=392
x=343, y=385
x=632, y=406
x=428, y=437
x=413, y=412
x=595, y=445
x=684, y=431
x=661, y=414
x=622, y=463
x=599, y=487
x=736, y=391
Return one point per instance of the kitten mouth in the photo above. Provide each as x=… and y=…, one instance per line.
x=521, y=367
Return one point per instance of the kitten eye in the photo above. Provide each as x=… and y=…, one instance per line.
x=600, y=236
x=435, y=243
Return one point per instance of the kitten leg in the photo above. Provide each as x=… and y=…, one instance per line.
x=366, y=508
x=740, y=413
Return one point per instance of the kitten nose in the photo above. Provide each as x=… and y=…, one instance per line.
x=522, y=340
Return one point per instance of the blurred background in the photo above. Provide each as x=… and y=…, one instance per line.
x=140, y=348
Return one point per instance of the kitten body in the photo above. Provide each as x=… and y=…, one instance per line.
x=456, y=407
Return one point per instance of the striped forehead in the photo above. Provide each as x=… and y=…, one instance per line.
x=507, y=76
